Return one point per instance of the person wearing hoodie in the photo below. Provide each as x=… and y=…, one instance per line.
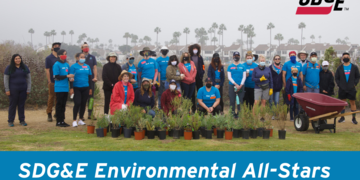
x=195, y=51
x=162, y=63
x=168, y=97
x=61, y=87
x=303, y=57
x=311, y=74
x=123, y=93
x=289, y=65
x=130, y=67
x=276, y=73
x=110, y=74
x=173, y=72
x=188, y=68
x=145, y=98
x=293, y=85
x=216, y=73
x=249, y=66
x=326, y=80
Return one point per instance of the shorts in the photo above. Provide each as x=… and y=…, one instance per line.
x=260, y=94
x=351, y=95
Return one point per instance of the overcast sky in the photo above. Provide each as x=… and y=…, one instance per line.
x=110, y=19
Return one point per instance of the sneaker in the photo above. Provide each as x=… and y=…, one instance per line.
x=341, y=120
x=273, y=118
x=65, y=124
x=262, y=119
x=90, y=118
x=74, y=124
x=23, y=123
x=292, y=120
x=11, y=124
x=49, y=119
x=354, y=121
x=81, y=123
x=236, y=116
x=59, y=124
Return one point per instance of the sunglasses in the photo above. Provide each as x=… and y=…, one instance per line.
x=276, y=59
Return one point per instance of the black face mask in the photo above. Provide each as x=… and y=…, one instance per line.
x=236, y=59
x=346, y=60
x=164, y=52
x=295, y=74
x=186, y=58
x=217, y=60
x=208, y=85
x=277, y=63
x=56, y=49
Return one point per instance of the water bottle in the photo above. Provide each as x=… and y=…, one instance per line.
x=237, y=97
x=91, y=103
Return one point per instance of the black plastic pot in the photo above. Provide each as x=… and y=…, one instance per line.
x=266, y=134
x=182, y=132
x=253, y=133
x=282, y=134
x=150, y=134
x=115, y=132
x=220, y=133
x=176, y=134
x=196, y=134
x=245, y=134
x=100, y=132
x=162, y=135
x=133, y=130
x=208, y=134
x=156, y=132
x=171, y=133
x=128, y=132
x=236, y=133
x=260, y=132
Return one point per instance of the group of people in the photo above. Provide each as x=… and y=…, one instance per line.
x=250, y=82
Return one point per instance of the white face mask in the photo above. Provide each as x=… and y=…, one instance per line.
x=313, y=59
x=173, y=63
x=172, y=87
x=195, y=51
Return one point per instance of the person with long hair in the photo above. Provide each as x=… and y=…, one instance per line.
x=276, y=73
x=173, y=73
x=188, y=68
x=168, y=97
x=17, y=82
x=81, y=87
x=123, y=93
x=195, y=56
x=216, y=73
x=145, y=98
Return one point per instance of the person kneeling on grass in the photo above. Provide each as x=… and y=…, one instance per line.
x=293, y=85
x=209, y=98
x=145, y=98
x=123, y=93
x=168, y=97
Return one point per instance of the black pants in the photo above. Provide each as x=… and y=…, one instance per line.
x=17, y=99
x=249, y=97
x=107, y=94
x=204, y=111
x=91, y=96
x=221, y=99
x=61, y=98
x=198, y=85
x=80, y=97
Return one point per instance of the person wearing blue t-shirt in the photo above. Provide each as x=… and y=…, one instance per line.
x=81, y=87
x=249, y=66
x=61, y=76
x=209, y=98
x=311, y=74
x=17, y=82
x=147, y=67
x=289, y=65
x=162, y=63
x=237, y=76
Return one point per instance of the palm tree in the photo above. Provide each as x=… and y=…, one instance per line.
x=127, y=36
x=63, y=33
x=186, y=31
x=319, y=39
x=210, y=31
x=96, y=40
x=248, y=31
x=338, y=41
x=346, y=39
x=251, y=35
x=214, y=26
x=222, y=28
x=31, y=31
x=71, y=33
x=147, y=39
x=269, y=27
x=53, y=33
x=279, y=37
x=241, y=29
x=214, y=39
x=220, y=32
x=141, y=40
x=302, y=26
x=157, y=30
x=312, y=37
x=46, y=35
x=134, y=38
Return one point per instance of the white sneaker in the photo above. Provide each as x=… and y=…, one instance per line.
x=81, y=123
x=74, y=124
x=273, y=118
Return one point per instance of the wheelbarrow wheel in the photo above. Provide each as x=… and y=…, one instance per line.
x=301, y=122
x=314, y=124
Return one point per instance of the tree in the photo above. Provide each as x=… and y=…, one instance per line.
x=312, y=37
x=319, y=39
x=251, y=35
x=31, y=31
x=270, y=26
x=222, y=28
x=110, y=41
x=147, y=39
x=302, y=26
x=46, y=36
x=296, y=41
x=279, y=37
x=53, y=33
x=201, y=34
x=71, y=32
x=214, y=26
x=338, y=41
x=157, y=30
x=210, y=31
x=63, y=33
x=127, y=36
x=346, y=39
x=239, y=41
x=334, y=61
x=124, y=48
x=176, y=36
x=241, y=29
x=141, y=41
x=134, y=39
x=248, y=31
x=96, y=40
x=81, y=38
x=214, y=39
x=186, y=31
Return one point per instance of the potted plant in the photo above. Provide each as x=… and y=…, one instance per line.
x=178, y=120
x=282, y=121
x=267, y=133
x=220, y=125
x=186, y=124
x=196, y=124
x=237, y=128
x=261, y=124
x=162, y=131
x=229, y=125
x=91, y=126
x=246, y=117
x=140, y=125
x=101, y=126
x=171, y=124
x=208, y=122
x=182, y=106
x=116, y=123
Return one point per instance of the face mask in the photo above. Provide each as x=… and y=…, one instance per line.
x=131, y=61
x=195, y=51
x=217, y=60
x=86, y=50
x=82, y=61
x=56, y=49
x=346, y=60
x=164, y=52
x=208, y=85
x=249, y=61
x=262, y=63
x=236, y=59
x=186, y=58
x=146, y=54
x=146, y=86
x=293, y=59
x=63, y=57
x=295, y=74
x=313, y=59
x=277, y=63
x=253, y=59
x=325, y=68
x=173, y=63
x=172, y=87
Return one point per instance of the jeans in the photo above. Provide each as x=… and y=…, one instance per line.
x=160, y=91
x=152, y=113
x=294, y=109
x=274, y=98
x=188, y=89
x=232, y=96
x=177, y=84
x=313, y=90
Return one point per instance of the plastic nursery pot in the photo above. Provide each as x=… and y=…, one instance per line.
x=138, y=135
x=245, y=134
x=100, y=132
x=171, y=133
x=203, y=132
x=253, y=133
x=266, y=134
x=282, y=134
x=220, y=133
x=105, y=131
x=215, y=131
x=260, y=131
x=176, y=134
x=115, y=132
x=127, y=132
x=228, y=135
x=151, y=134
x=143, y=133
x=271, y=132
x=209, y=134
x=162, y=134
x=187, y=135
x=196, y=134
x=90, y=129
x=236, y=133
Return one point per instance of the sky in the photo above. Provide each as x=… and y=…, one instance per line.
x=111, y=19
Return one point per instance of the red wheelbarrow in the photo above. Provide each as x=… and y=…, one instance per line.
x=318, y=108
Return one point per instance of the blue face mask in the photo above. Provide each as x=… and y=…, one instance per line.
x=131, y=61
x=293, y=59
x=262, y=63
x=82, y=61
x=249, y=61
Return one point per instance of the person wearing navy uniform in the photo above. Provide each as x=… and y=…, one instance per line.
x=17, y=82
x=209, y=98
x=216, y=73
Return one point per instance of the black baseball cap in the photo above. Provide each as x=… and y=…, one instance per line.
x=313, y=53
x=208, y=79
x=346, y=53
x=216, y=55
x=236, y=53
x=56, y=43
x=172, y=81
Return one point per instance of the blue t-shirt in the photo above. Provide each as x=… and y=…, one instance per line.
x=17, y=79
x=132, y=70
x=347, y=70
x=217, y=75
x=147, y=68
x=125, y=90
x=49, y=62
x=236, y=73
x=277, y=69
x=162, y=64
x=287, y=68
x=208, y=98
x=248, y=82
x=312, y=75
x=81, y=75
x=294, y=81
x=188, y=66
x=61, y=69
